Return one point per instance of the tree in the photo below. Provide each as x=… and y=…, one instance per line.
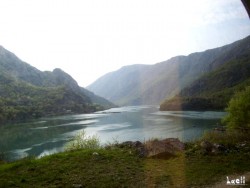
x=239, y=110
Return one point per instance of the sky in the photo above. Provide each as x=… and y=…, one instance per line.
x=89, y=38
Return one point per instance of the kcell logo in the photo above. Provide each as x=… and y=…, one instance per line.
x=239, y=181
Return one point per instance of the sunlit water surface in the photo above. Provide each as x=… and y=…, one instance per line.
x=49, y=135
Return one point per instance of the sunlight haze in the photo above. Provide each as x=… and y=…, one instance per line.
x=88, y=39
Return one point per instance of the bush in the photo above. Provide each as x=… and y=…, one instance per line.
x=82, y=141
x=227, y=138
x=239, y=111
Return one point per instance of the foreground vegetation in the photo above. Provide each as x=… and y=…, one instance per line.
x=115, y=166
x=110, y=168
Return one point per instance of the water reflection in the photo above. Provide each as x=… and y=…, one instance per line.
x=49, y=135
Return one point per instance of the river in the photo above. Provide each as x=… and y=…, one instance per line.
x=48, y=135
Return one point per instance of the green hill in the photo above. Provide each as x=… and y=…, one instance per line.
x=26, y=92
x=213, y=90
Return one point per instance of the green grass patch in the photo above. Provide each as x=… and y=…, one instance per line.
x=104, y=168
x=206, y=170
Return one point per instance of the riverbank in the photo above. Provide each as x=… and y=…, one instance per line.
x=122, y=166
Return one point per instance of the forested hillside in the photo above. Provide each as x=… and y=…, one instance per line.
x=214, y=90
x=26, y=92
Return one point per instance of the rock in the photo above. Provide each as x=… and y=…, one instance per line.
x=164, y=147
x=77, y=185
x=142, y=152
x=158, y=148
x=206, y=146
x=241, y=145
x=137, y=144
x=220, y=129
x=127, y=144
x=218, y=148
x=164, y=155
x=212, y=148
x=95, y=153
x=175, y=143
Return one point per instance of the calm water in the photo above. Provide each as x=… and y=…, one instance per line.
x=49, y=135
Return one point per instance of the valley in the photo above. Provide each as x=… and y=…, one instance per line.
x=155, y=84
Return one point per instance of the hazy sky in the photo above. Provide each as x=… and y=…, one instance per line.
x=88, y=38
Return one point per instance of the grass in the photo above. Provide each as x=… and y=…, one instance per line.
x=121, y=167
x=165, y=173
x=227, y=138
x=108, y=168
x=204, y=168
x=195, y=170
x=207, y=170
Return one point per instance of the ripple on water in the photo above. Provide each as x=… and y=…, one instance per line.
x=192, y=114
x=114, y=127
x=38, y=128
x=20, y=153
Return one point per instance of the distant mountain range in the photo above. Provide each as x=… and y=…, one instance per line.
x=199, y=75
x=200, y=81
x=26, y=92
x=213, y=90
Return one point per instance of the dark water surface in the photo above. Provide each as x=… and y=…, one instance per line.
x=49, y=135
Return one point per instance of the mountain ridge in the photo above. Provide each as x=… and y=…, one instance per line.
x=152, y=84
x=26, y=92
x=213, y=90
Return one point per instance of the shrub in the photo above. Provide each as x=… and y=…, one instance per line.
x=227, y=138
x=82, y=141
x=239, y=111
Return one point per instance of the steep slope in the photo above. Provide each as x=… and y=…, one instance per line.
x=151, y=84
x=96, y=100
x=120, y=85
x=26, y=92
x=213, y=90
x=12, y=65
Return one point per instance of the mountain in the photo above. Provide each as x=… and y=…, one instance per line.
x=213, y=90
x=26, y=92
x=152, y=84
